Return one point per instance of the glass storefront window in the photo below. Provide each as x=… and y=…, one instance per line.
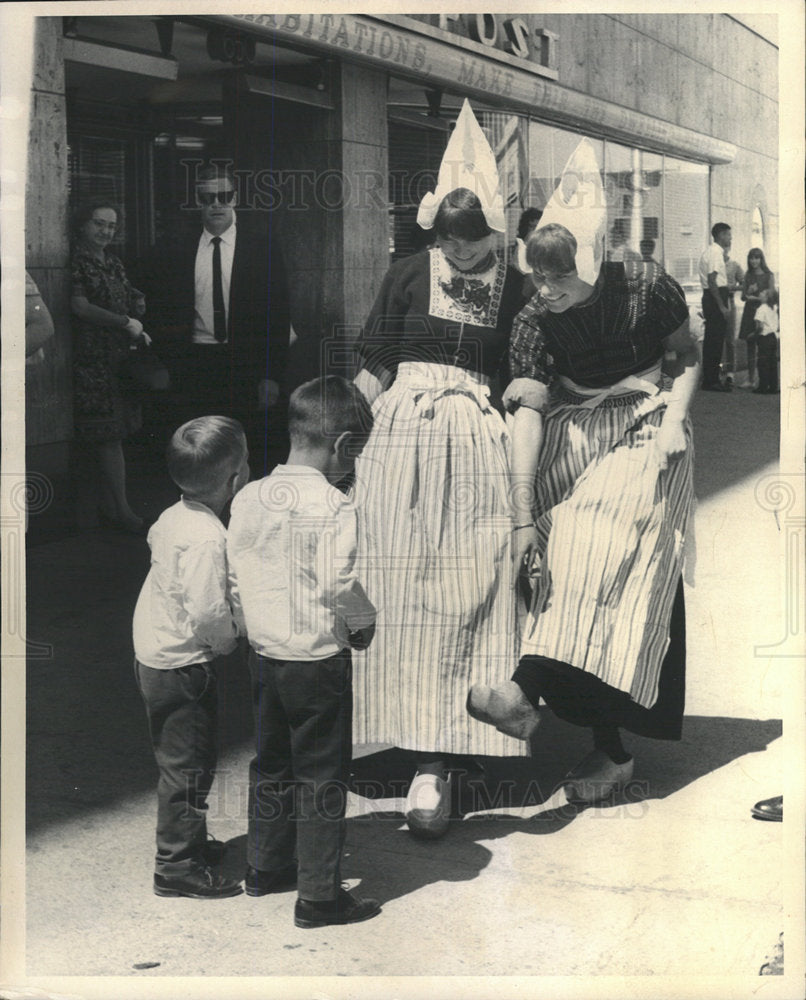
x=506, y=134
x=415, y=153
x=633, y=191
x=686, y=211
x=549, y=150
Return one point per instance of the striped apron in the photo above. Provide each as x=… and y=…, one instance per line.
x=611, y=529
x=432, y=495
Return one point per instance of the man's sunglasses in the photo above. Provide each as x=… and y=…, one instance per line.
x=210, y=197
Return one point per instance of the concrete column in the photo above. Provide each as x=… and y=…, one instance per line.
x=306, y=163
x=49, y=385
x=332, y=176
x=365, y=163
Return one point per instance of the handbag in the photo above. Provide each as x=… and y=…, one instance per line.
x=142, y=369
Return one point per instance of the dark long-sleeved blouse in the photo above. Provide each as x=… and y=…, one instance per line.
x=427, y=311
x=619, y=331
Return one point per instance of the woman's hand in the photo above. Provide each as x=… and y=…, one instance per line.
x=134, y=328
x=136, y=332
x=526, y=428
x=371, y=384
x=524, y=549
x=670, y=442
x=524, y=392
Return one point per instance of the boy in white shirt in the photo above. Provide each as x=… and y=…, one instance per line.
x=766, y=331
x=291, y=545
x=183, y=621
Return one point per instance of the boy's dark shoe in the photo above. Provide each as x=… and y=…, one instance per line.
x=213, y=851
x=200, y=883
x=260, y=883
x=345, y=909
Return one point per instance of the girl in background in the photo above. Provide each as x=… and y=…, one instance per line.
x=758, y=280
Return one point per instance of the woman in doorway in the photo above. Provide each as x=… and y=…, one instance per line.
x=602, y=486
x=432, y=485
x=105, y=308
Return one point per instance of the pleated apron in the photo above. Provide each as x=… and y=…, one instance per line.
x=611, y=529
x=432, y=495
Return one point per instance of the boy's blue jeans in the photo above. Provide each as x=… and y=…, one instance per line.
x=182, y=710
x=298, y=779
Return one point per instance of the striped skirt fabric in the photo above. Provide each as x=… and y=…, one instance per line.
x=432, y=495
x=611, y=530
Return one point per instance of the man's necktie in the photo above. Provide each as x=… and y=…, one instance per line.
x=219, y=313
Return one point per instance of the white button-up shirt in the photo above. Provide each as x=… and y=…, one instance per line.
x=183, y=614
x=203, y=326
x=713, y=260
x=291, y=547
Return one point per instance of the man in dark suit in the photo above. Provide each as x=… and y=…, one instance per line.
x=218, y=307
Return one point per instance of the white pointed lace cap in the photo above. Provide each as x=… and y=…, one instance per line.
x=468, y=162
x=579, y=205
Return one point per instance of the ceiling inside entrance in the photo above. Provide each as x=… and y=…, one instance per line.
x=198, y=74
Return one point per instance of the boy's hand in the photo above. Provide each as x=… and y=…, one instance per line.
x=361, y=637
x=268, y=392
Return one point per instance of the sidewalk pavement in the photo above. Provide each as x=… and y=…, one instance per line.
x=672, y=879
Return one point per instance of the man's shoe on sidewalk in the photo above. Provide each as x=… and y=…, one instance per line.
x=200, y=883
x=769, y=809
x=345, y=909
x=261, y=883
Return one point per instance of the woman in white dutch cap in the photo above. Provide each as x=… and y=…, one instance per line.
x=602, y=488
x=432, y=485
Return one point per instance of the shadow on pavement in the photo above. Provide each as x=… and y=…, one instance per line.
x=87, y=739
x=739, y=434
x=391, y=864
x=661, y=767
x=88, y=746
x=87, y=743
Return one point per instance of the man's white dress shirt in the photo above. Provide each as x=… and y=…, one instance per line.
x=203, y=317
x=713, y=260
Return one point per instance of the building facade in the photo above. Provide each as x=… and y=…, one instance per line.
x=335, y=124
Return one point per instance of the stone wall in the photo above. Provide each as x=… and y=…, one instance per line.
x=706, y=72
x=47, y=254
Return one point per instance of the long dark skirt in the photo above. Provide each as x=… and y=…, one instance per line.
x=584, y=700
